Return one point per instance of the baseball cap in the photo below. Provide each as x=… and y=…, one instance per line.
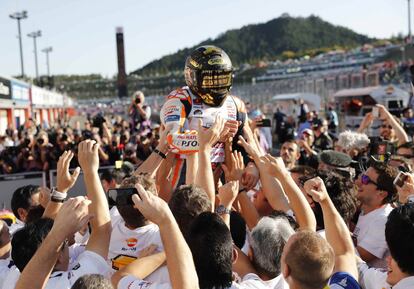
x=317, y=123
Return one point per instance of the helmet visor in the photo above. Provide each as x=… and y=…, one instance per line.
x=216, y=79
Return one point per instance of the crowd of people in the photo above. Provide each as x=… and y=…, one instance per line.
x=208, y=206
x=130, y=137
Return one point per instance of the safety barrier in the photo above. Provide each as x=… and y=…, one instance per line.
x=9, y=183
x=79, y=188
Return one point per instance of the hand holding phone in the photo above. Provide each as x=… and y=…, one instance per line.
x=263, y=123
x=122, y=196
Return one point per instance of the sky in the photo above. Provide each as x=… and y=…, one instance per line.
x=82, y=32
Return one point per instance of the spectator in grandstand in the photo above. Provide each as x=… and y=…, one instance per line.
x=376, y=193
x=399, y=235
x=139, y=113
x=290, y=153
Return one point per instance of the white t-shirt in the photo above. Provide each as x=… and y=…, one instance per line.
x=253, y=281
x=370, y=234
x=74, y=252
x=114, y=214
x=88, y=263
x=129, y=242
x=5, y=266
x=250, y=281
x=372, y=278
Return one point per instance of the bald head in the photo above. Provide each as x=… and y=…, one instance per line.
x=308, y=260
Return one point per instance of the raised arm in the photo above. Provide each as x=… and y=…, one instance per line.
x=303, y=212
x=157, y=157
x=141, y=267
x=64, y=183
x=101, y=223
x=207, y=138
x=337, y=233
x=399, y=130
x=180, y=262
x=71, y=218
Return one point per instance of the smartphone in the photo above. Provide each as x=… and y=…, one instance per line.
x=400, y=179
x=375, y=112
x=264, y=123
x=122, y=197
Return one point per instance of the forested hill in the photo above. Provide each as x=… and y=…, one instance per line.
x=275, y=39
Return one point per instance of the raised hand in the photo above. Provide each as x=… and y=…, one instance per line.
x=152, y=207
x=407, y=189
x=230, y=129
x=250, y=176
x=72, y=217
x=274, y=166
x=316, y=189
x=65, y=180
x=208, y=137
x=228, y=193
x=237, y=167
x=88, y=155
x=249, y=147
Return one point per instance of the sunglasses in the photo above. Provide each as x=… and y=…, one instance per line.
x=386, y=126
x=365, y=180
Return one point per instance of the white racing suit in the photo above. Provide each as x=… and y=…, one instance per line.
x=181, y=111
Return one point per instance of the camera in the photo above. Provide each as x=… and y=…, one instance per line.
x=137, y=100
x=98, y=121
x=381, y=149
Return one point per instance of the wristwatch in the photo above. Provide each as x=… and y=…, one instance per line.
x=221, y=210
x=56, y=196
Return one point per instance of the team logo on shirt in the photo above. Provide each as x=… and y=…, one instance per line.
x=131, y=242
